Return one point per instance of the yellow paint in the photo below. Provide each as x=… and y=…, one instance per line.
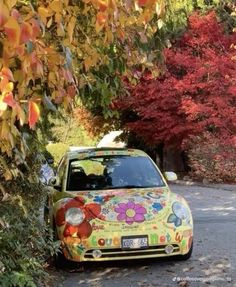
x=107, y=234
x=130, y=212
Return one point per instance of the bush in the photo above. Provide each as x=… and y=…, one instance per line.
x=25, y=241
x=212, y=158
x=24, y=246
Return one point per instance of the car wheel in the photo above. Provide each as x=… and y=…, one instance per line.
x=59, y=259
x=187, y=255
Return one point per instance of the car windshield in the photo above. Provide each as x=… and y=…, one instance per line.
x=111, y=172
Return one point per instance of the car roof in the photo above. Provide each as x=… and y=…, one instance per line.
x=89, y=152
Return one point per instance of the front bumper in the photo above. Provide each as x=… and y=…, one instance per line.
x=82, y=250
x=119, y=254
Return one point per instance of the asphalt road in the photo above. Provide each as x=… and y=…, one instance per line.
x=213, y=262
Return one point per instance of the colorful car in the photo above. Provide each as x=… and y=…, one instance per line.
x=114, y=204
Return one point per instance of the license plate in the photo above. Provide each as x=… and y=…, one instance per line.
x=134, y=242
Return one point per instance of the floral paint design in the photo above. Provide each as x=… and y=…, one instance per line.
x=110, y=200
x=179, y=214
x=155, y=195
x=174, y=219
x=98, y=199
x=102, y=199
x=130, y=212
x=157, y=206
x=84, y=229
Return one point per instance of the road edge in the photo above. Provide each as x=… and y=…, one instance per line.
x=228, y=187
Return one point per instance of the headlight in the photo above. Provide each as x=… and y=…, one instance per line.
x=74, y=216
x=180, y=210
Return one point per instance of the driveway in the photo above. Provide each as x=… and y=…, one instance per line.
x=213, y=262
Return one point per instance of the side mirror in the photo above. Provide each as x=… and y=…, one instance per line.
x=54, y=181
x=170, y=175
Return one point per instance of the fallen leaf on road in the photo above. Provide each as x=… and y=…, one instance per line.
x=183, y=284
x=171, y=271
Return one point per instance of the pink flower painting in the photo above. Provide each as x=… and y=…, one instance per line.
x=130, y=212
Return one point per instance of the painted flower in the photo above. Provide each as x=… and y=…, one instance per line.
x=99, y=199
x=157, y=206
x=102, y=199
x=130, y=212
x=179, y=214
x=84, y=229
x=105, y=210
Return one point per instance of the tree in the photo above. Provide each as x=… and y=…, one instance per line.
x=196, y=92
x=192, y=104
x=51, y=52
x=171, y=26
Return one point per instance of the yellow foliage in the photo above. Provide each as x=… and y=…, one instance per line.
x=71, y=27
x=4, y=13
x=11, y=3
x=44, y=14
x=53, y=45
x=56, y=6
x=12, y=29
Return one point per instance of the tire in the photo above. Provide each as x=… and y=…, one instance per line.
x=187, y=255
x=59, y=259
x=61, y=262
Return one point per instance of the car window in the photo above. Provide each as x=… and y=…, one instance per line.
x=111, y=172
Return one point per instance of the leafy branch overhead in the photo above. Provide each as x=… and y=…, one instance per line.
x=51, y=51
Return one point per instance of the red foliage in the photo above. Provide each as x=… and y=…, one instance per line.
x=214, y=161
x=196, y=93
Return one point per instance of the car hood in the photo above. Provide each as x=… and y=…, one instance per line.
x=129, y=206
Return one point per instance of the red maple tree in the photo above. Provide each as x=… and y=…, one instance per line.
x=195, y=94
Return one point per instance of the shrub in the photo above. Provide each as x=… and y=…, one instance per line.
x=25, y=241
x=212, y=158
x=24, y=248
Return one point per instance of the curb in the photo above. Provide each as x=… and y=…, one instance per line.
x=228, y=187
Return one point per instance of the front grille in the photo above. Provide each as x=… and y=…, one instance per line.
x=118, y=253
